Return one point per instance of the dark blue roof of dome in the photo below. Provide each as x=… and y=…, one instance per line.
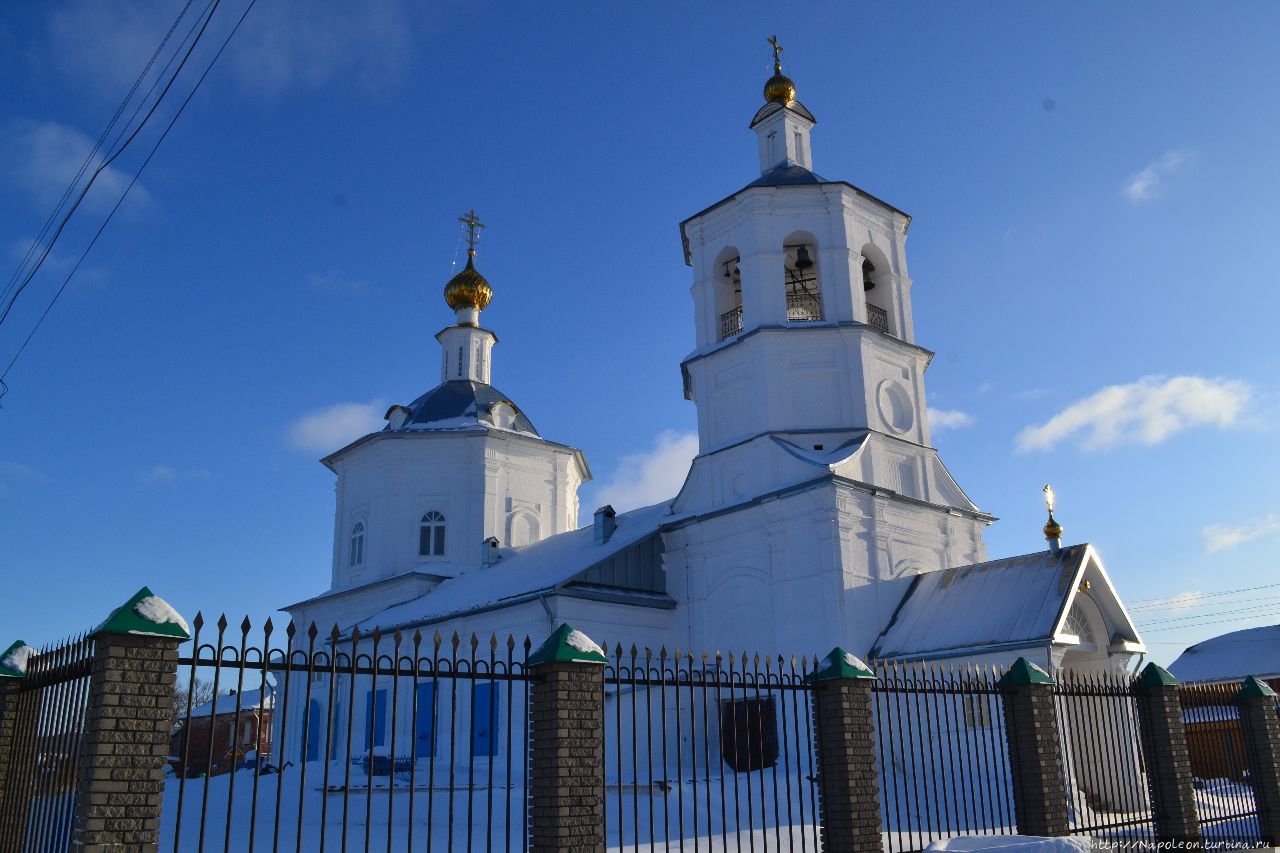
x=786, y=176
x=458, y=405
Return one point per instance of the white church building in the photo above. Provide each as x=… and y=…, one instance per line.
x=816, y=513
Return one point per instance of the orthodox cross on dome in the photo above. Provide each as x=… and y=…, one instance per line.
x=474, y=225
x=777, y=53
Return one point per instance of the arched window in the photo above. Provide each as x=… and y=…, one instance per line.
x=804, y=293
x=875, y=289
x=728, y=293
x=357, y=545
x=431, y=535
x=522, y=529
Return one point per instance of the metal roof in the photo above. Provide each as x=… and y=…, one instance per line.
x=460, y=404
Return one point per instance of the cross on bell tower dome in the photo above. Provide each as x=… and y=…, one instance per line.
x=783, y=123
x=467, y=347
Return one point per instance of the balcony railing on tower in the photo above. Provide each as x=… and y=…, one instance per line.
x=730, y=323
x=877, y=317
x=804, y=307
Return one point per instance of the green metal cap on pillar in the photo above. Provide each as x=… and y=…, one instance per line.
x=1157, y=676
x=13, y=663
x=146, y=614
x=1254, y=687
x=840, y=664
x=1024, y=672
x=566, y=645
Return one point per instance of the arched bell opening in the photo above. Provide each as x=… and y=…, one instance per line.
x=801, y=278
x=877, y=290
x=728, y=294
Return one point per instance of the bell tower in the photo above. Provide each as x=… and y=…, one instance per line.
x=802, y=309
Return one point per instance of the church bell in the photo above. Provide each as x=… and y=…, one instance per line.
x=867, y=269
x=803, y=261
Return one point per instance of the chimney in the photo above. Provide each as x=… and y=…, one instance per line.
x=489, y=552
x=605, y=525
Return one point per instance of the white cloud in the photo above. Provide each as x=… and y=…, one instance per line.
x=1145, y=185
x=41, y=158
x=1219, y=537
x=1144, y=412
x=159, y=474
x=331, y=428
x=1179, y=603
x=943, y=419
x=284, y=45
x=653, y=475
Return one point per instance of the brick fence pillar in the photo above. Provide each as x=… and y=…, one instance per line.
x=16, y=753
x=1168, y=761
x=566, y=745
x=844, y=738
x=126, y=728
x=1035, y=756
x=1261, y=729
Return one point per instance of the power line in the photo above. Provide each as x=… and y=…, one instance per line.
x=1194, y=616
x=1214, y=622
x=26, y=280
x=141, y=168
x=1161, y=603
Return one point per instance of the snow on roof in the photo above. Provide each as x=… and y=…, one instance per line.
x=522, y=571
x=1017, y=599
x=249, y=700
x=1231, y=657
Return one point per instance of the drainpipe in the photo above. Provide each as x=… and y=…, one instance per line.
x=551, y=619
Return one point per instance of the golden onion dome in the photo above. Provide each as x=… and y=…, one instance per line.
x=779, y=87
x=1052, y=529
x=468, y=288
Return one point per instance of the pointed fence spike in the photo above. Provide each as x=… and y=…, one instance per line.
x=267, y=627
x=438, y=640
x=290, y=629
x=245, y=626
x=493, y=642
x=456, y=641
x=222, y=623
x=312, y=631
x=475, y=642
x=511, y=642
x=355, y=635
x=417, y=636
x=199, y=620
x=334, y=633
x=528, y=644
x=377, y=634
x=397, y=637
x=662, y=654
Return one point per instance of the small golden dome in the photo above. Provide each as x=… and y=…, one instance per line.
x=779, y=87
x=1052, y=529
x=468, y=288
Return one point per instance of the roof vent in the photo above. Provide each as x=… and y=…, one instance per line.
x=396, y=416
x=489, y=552
x=605, y=524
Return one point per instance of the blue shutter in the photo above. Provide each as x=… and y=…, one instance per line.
x=484, y=715
x=424, y=728
x=375, y=716
x=313, y=730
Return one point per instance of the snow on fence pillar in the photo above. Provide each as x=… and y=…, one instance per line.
x=844, y=738
x=1261, y=729
x=566, y=744
x=1035, y=759
x=17, y=754
x=1168, y=761
x=126, y=727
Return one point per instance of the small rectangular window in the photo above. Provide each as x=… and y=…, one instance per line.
x=424, y=727
x=438, y=547
x=749, y=733
x=977, y=712
x=484, y=717
x=375, y=716
x=424, y=540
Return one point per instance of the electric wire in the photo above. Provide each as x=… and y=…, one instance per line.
x=26, y=280
x=138, y=174
x=93, y=152
x=1157, y=603
x=1214, y=622
x=1194, y=616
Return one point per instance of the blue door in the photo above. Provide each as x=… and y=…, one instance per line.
x=484, y=718
x=313, y=730
x=375, y=715
x=425, y=734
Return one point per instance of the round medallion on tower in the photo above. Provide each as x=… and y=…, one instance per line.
x=469, y=289
x=779, y=87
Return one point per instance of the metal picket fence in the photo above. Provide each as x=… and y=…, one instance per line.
x=1225, y=803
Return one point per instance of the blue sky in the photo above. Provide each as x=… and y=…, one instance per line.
x=1094, y=190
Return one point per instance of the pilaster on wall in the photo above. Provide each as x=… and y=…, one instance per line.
x=1035, y=760
x=1168, y=761
x=566, y=745
x=1262, y=750
x=844, y=738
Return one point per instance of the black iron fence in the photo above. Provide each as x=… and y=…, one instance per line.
x=944, y=767
x=339, y=741
x=708, y=752
x=1225, y=803
x=1098, y=732
x=49, y=709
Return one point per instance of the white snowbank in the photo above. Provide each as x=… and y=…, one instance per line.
x=156, y=610
x=18, y=658
x=582, y=642
x=1012, y=843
